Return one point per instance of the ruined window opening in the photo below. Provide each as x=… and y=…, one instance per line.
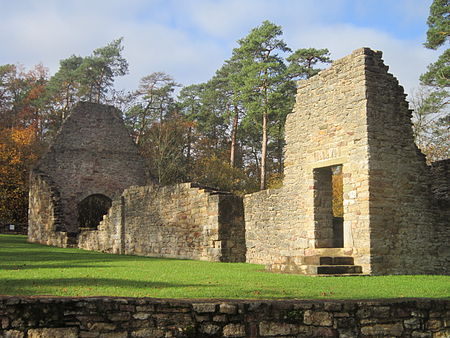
x=92, y=209
x=328, y=207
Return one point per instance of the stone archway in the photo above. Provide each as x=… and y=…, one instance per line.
x=92, y=209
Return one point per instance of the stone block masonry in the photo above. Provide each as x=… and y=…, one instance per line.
x=146, y=317
x=353, y=115
x=91, y=154
x=181, y=221
x=93, y=159
x=350, y=121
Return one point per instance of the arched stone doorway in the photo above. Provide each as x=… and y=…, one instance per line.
x=92, y=209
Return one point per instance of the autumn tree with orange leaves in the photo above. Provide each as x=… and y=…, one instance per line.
x=22, y=129
x=18, y=151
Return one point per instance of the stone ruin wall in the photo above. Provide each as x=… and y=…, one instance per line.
x=180, y=221
x=93, y=154
x=327, y=127
x=44, y=213
x=407, y=234
x=353, y=114
x=440, y=185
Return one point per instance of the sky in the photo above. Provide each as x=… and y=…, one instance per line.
x=190, y=39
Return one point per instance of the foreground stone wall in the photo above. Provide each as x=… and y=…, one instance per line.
x=130, y=317
x=180, y=221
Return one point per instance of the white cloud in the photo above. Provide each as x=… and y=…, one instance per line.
x=407, y=59
x=222, y=18
x=191, y=39
x=157, y=48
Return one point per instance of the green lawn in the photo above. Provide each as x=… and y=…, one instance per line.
x=31, y=269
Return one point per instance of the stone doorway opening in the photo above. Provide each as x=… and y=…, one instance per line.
x=92, y=209
x=328, y=207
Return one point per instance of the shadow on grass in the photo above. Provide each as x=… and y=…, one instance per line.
x=58, y=286
x=17, y=254
x=31, y=259
x=50, y=254
x=19, y=266
x=13, y=238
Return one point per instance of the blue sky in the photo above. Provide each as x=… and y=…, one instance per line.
x=190, y=39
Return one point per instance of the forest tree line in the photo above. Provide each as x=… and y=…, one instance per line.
x=227, y=133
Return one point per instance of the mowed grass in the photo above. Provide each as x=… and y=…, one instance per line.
x=31, y=269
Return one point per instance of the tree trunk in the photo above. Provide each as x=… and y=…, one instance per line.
x=189, y=147
x=233, y=137
x=280, y=149
x=262, y=185
x=263, y=180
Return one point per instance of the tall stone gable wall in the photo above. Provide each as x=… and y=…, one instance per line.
x=353, y=114
x=91, y=154
x=180, y=221
x=327, y=127
x=407, y=232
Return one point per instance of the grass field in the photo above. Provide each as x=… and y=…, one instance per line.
x=31, y=269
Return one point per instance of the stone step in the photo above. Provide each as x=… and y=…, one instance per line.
x=338, y=269
x=336, y=261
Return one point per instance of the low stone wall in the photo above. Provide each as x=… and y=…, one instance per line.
x=180, y=221
x=146, y=317
x=266, y=234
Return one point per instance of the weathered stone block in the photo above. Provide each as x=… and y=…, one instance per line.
x=277, y=328
x=141, y=315
x=123, y=334
x=71, y=332
x=144, y=333
x=381, y=311
x=318, y=318
x=444, y=333
x=99, y=326
x=419, y=334
x=322, y=332
x=220, y=318
x=209, y=328
x=88, y=334
x=119, y=317
x=204, y=307
x=334, y=307
x=234, y=330
x=413, y=323
x=227, y=308
x=394, y=330
x=4, y=322
x=434, y=325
